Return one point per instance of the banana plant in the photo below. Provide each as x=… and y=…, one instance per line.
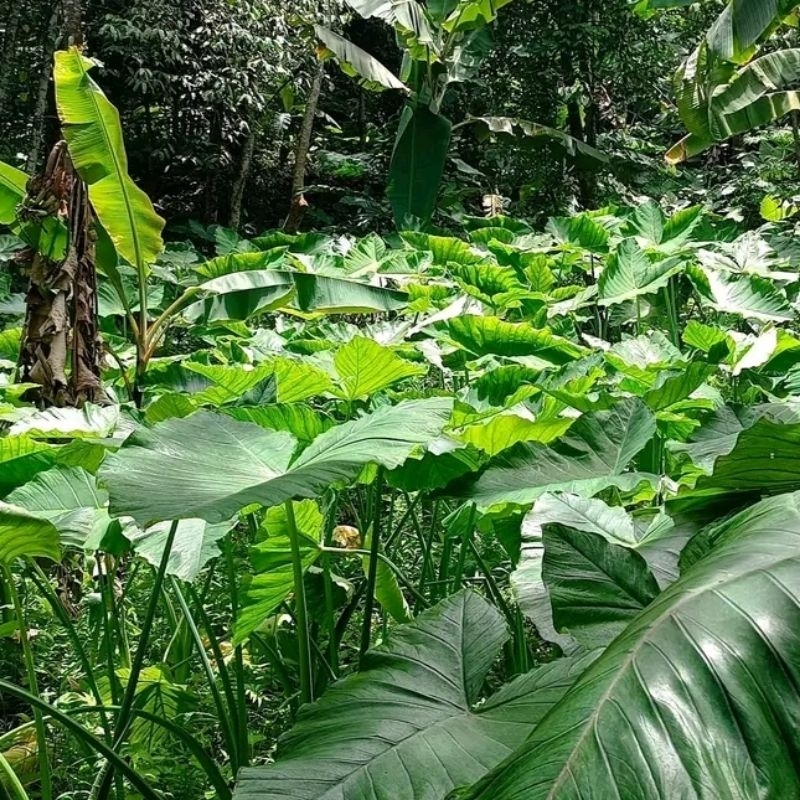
x=443, y=42
x=129, y=233
x=724, y=88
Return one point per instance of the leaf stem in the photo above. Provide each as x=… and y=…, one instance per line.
x=30, y=669
x=301, y=617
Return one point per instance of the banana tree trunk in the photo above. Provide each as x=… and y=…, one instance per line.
x=61, y=348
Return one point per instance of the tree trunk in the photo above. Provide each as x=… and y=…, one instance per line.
x=61, y=348
x=299, y=204
x=237, y=191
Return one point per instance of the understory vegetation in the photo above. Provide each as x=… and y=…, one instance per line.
x=400, y=400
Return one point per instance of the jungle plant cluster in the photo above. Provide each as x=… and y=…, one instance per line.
x=499, y=511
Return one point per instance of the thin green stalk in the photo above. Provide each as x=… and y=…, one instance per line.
x=124, y=716
x=243, y=746
x=77, y=730
x=45, y=778
x=301, y=617
x=427, y=551
x=330, y=611
x=672, y=313
x=372, y=573
x=401, y=576
x=225, y=720
x=463, y=547
x=43, y=585
x=15, y=790
x=222, y=668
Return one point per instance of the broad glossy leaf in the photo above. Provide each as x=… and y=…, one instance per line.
x=90, y=422
x=70, y=499
x=405, y=727
x=695, y=697
x=22, y=457
x=490, y=335
x=209, y=466
x=195, y=544
x=299, y=419
x=26, y=535
x=748, y=295
x=592, y=456
x=365, y=367
x=596, y=587
x=241, y=295
x=631, y=273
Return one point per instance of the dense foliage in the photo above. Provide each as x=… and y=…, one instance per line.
x=399, y=399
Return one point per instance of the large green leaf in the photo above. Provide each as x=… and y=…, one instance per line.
x=513, y=127
x=26, y=535
x=596, y=565
x=209, y=466
x=596, y=588
x=630, y=273
x=490, y=335
x=194, y=545
x=406, y=727
x=365, y=367
x=698, y=697
x=70, y=499
x=241, y=295
x=418, y=159
x=91, y=126
x=12, y=190
x=22, y=457
x=593, y=455
x=751, y=296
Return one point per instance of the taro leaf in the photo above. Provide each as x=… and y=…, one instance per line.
x=406, y=727
x=502, y=431
x=581, y=231
x=194, y=546
x=299, y=419
x=677, y=386
x=490, y=335
x=230, y=381
x=593, y=455
x=22, y=457
x=365, y=367
x=92, y=422
x=698, y=696
x=273, y=578
x=750, y=296
x=69, y=498
x=26, y=535
x=763, y=459
x=631, y=273
x=527, y=581
x=596, y=588
x=209, y=466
